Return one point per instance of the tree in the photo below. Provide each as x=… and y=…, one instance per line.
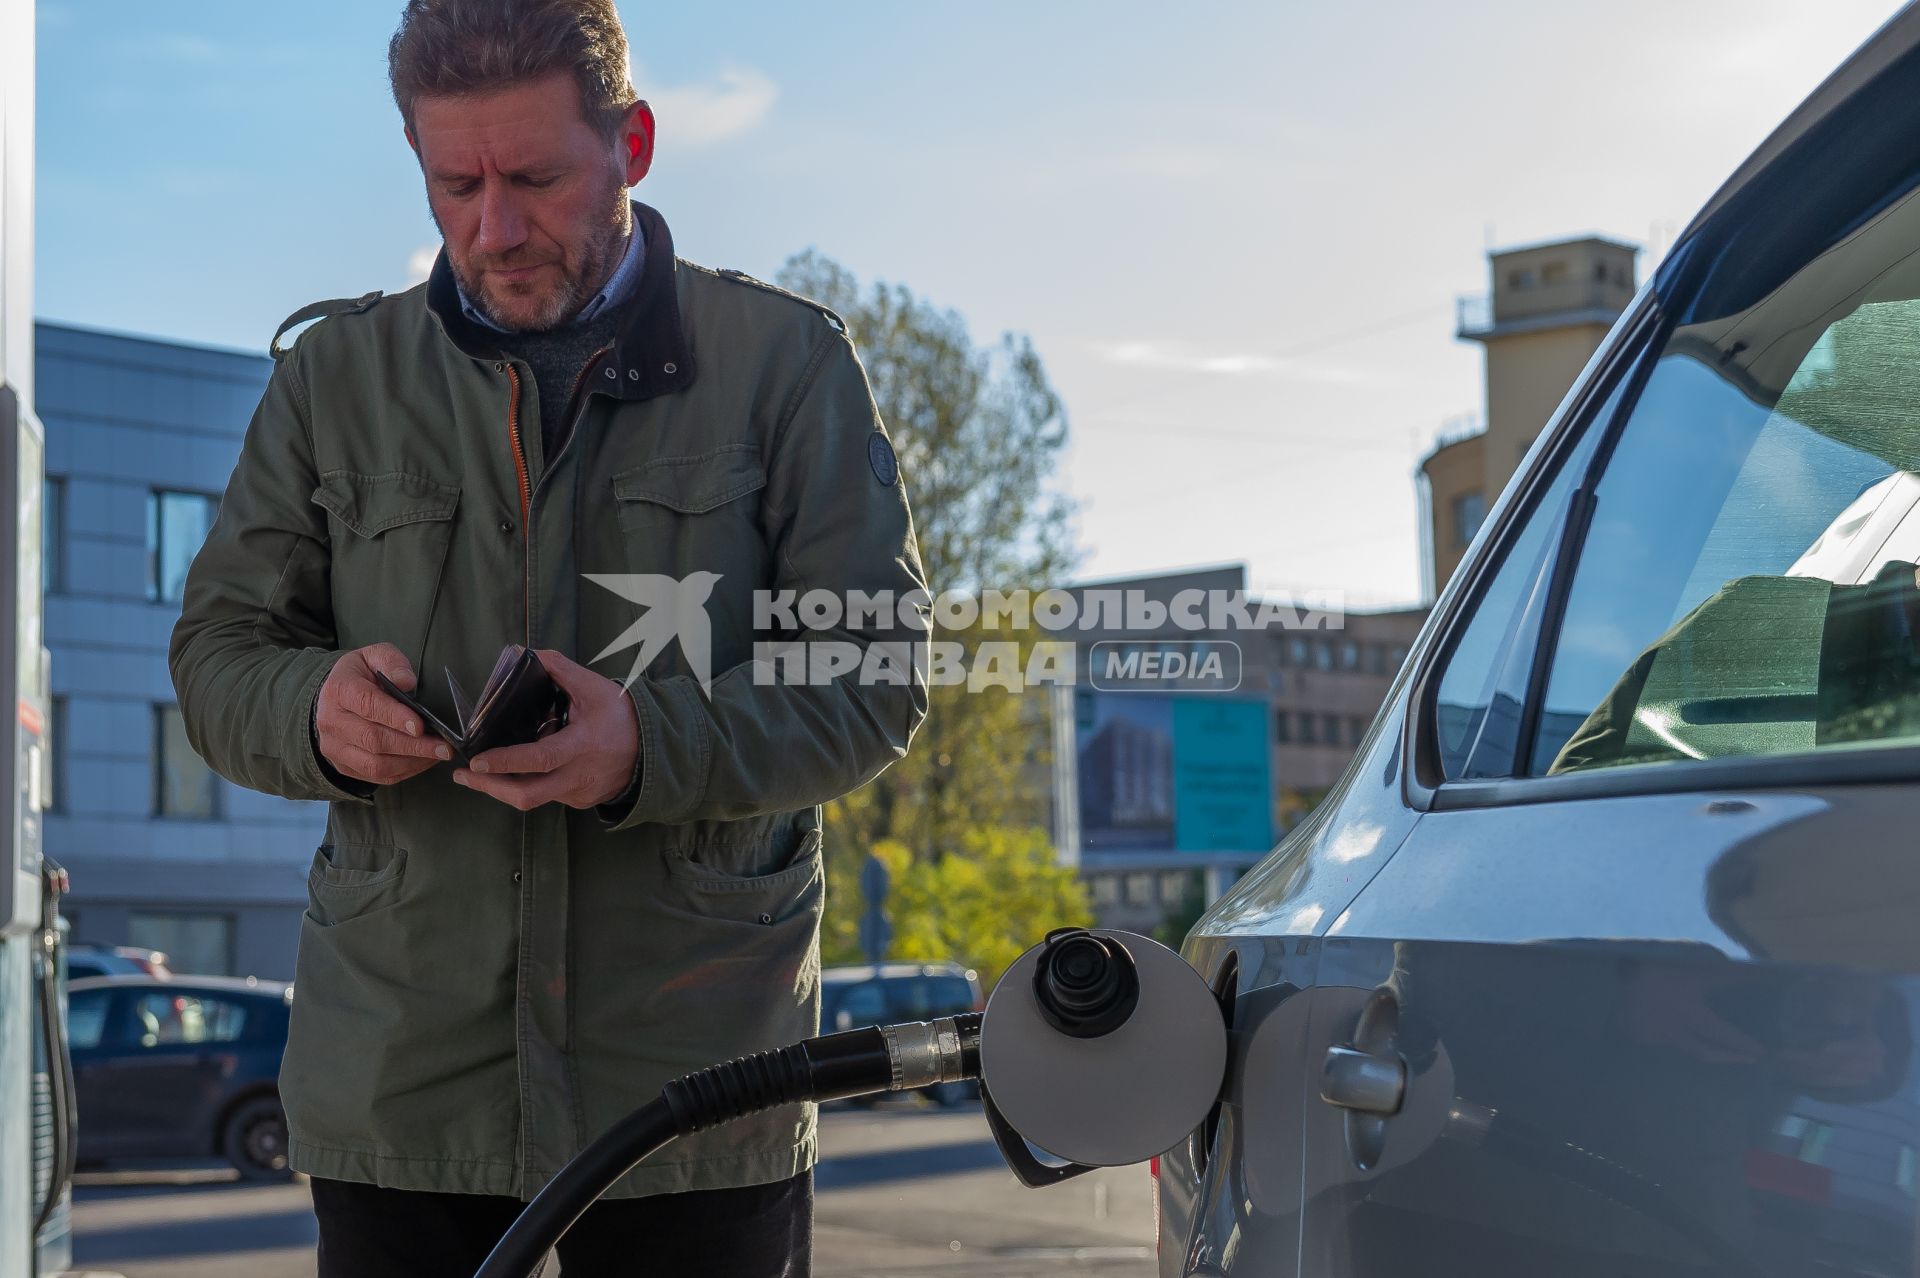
x=994, y=896
x=978, y=430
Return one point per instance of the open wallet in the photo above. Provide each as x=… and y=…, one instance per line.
x=519, y=703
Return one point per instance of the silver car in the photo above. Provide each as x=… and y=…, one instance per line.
x=1602, y=957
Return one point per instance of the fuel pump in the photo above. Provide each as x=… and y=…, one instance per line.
x=36, y=1115
x=1097, y=1048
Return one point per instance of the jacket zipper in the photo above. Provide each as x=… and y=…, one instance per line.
x=513, y=436
x=526, y=499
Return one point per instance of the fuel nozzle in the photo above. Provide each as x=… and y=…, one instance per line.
x=1086, y=985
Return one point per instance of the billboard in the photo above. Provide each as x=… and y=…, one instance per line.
x=1166, y=772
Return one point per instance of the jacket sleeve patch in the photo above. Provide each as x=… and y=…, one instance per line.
x=886, y=467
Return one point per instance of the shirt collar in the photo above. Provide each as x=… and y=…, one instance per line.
x=619, y=287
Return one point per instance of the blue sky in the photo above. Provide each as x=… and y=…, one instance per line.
x=1234, y=230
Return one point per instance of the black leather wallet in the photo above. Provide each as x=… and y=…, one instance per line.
x=519, y=703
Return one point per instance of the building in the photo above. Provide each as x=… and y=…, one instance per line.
x=1547, y=310
x=1133, y=755
x=141, y=436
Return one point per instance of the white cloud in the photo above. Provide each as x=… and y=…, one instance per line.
x=700, y=115
x=1174, y=357
x=420, y=263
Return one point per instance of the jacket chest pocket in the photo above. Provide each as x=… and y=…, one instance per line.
x=670, y=498
x=698, y=520
x=390, y=539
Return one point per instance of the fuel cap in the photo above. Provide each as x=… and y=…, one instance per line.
x=1103, y=1047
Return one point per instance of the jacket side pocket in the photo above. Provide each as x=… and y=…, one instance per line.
x=350, y=880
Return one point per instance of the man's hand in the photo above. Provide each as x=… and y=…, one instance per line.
x=364, y=733
x=585, y=764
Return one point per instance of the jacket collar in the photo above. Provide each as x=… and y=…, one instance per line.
x=650, y=354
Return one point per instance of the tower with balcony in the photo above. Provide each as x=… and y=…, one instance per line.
x=1548, y=307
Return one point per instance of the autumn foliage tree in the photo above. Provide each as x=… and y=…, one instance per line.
x=961, y=821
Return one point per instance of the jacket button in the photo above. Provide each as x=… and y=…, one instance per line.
x=506, y=525
x=613, y=372
x=766, y=918
x=670, y=369
x=633, y=374
x=516, y=876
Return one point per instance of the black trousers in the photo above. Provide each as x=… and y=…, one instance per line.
x=762, y=1231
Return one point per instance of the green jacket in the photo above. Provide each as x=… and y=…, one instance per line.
x=481, y=992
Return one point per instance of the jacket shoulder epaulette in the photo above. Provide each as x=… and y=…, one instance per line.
x=321, y=310
x=741, y=277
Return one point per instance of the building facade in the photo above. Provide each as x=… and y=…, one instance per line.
x=1548, y=307
x=1317, y=676
x=141, y=436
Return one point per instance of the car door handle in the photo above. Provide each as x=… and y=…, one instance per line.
x=1353, y=1079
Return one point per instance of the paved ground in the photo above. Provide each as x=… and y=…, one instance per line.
x=901, y=1191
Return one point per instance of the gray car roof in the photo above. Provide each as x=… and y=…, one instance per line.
x=1895, y=38
x=184, y=984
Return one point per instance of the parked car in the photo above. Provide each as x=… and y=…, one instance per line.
x=86, y=960
x=862, y=995
x=1603, y=956
x=180, y=1068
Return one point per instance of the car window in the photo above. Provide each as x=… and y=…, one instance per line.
x=87, y=1017
x=860, y=1006
x=1749, y=581
x=921, y=998
x=166, y=1019
x=1483, y=684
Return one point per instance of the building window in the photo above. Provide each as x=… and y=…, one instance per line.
x=1106, y=889
x=1281, y=721
x=1174, y=886
x=193, y=942
x=1349, y=655
x=1469, y=509
x=1139, y=889
x=1323, y=655
x=1376, y=659
x=1298, y=653
x=1330, y=729
x=1396, y=657
x=177, y=524
x=183, y=785
x=53, y=518
x=1356, y=728
x=1306, y=729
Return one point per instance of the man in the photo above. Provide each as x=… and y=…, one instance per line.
x=498, y=962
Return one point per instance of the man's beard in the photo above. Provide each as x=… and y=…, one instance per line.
x=579, y=279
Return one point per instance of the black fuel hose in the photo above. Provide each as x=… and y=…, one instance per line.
x=65, y=1113
x=833, y=1067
